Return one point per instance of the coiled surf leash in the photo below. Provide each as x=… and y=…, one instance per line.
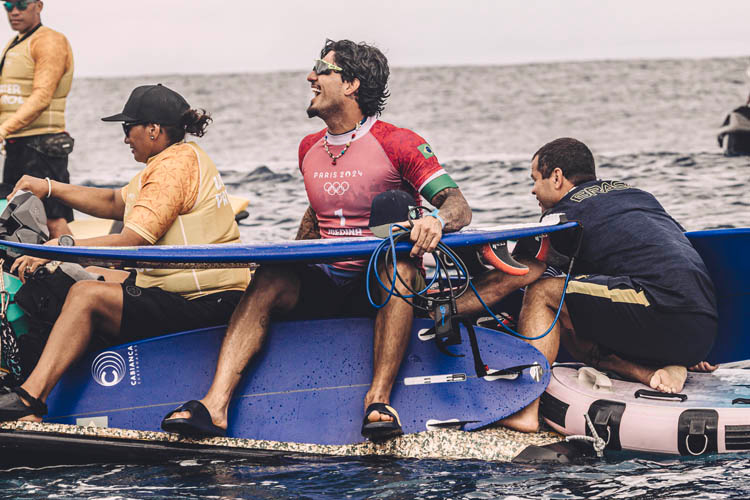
x=450, y=289
x=443, y=303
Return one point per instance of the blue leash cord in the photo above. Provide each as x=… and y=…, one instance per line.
x=391, y=243
x=515, y=333
x=508, y=329
x=371, y=265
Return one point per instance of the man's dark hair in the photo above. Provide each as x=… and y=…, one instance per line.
x=571, y=156
x=369, y=66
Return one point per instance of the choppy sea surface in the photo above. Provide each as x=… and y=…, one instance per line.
x=649, y=123
x=640, y=478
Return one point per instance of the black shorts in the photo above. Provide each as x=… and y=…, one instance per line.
x=321, y=297
x=616, y=314
x=30, y=156
x=150, y=312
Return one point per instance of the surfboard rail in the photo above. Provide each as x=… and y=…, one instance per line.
x=241, y=255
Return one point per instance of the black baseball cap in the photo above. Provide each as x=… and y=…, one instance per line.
x=152, y=104
x=388, y=208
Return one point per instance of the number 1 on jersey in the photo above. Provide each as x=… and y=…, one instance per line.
x=340, y=213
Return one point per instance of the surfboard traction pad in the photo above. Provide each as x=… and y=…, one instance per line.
x=496, y=444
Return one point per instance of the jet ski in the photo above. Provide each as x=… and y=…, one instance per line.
x=734, y=134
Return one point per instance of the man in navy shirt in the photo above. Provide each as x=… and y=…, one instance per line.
x=639, y=301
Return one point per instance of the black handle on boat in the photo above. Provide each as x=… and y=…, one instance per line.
x=741, y=401
x=643, y=393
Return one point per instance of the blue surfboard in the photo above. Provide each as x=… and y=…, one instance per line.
x=307, y=385
x=240, y=255
x=726, y=253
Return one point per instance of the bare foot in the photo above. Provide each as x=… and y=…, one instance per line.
x=526, y=420
x=669, y=379
x=31, y=418
x=376, y=416
x=703, y=366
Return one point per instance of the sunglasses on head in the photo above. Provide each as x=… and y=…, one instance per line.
x=324, y=67
x=20, y=4
x=126, y=127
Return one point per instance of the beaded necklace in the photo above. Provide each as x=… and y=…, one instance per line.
x=354, y=134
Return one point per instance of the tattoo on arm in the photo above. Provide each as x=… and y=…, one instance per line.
x=308, y=226
x=454, y=209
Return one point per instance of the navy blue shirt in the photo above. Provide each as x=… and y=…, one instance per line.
x=628, y=234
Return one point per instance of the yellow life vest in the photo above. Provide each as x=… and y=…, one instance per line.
x=210, y=221
x=16, y=83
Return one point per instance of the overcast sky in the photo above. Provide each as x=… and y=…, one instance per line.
x=142, y=37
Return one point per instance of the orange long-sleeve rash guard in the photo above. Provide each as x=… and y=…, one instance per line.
x=52, y=57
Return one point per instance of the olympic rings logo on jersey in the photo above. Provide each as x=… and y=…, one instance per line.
x=336, y=188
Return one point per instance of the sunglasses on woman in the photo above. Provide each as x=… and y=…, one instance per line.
x=20, y=4
x=324, y=67
x=126, y=127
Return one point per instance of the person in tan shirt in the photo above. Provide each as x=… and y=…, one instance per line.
x=178, y=199
x=36, y=73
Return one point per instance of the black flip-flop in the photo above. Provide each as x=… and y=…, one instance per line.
x=13, y=408
x=198, y=425
x=382, y=430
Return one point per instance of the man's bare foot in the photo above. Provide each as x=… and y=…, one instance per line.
x=381, y=422
x=376, y=416
x=703, y=366
x=669, y=379
x=31, y=418
x=526, y=420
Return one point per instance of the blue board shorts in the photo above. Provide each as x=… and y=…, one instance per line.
x=616, y=314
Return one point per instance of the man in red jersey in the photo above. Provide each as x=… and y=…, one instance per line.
x=344, y=166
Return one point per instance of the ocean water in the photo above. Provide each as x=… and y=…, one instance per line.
x=649, y=123
x=712, y=478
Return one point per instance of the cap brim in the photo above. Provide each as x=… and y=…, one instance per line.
x=119, y=117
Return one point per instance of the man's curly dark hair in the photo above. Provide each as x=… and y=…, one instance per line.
x=367, y=64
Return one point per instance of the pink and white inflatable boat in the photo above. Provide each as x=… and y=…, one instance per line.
x=711, y=415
